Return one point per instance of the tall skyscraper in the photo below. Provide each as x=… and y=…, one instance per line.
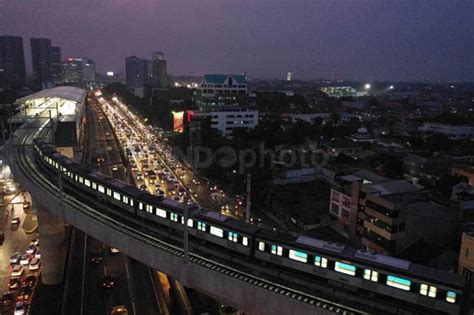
x=136, y=72
x=160, y=73
x=56, y=64
x=12, y=62
x=41, y=57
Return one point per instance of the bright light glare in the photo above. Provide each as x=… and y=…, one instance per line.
x=367, y=86
x=391, y=87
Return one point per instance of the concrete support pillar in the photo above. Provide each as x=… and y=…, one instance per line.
x=52, y=246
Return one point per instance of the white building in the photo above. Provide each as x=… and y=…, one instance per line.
x=227, y=120
x=216, y=90
x=454, y=132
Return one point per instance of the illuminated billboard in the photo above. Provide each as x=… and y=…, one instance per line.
x=178, y=122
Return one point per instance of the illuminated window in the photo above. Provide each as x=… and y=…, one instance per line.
x=232, y=237
x=94, y=185
x=399, y=283
x=217, y=231
x=299, y=256
x=428, y=290
x=245, y=241
x=451, y=297
x=371, y=275
x=261, y=246
x=131, y=202
x=277, y=250
x=174, y=217
x=161, y=213
x=320, y=261
x=140, y=206
x=201, y=226
x=345, y=268
x=109, y=192
x=116, y=195
x=125, y=199
x=101, y=189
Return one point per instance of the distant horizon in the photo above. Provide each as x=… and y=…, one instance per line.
x=364, y=40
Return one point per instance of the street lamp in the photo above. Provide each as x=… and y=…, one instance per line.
x=367, y=86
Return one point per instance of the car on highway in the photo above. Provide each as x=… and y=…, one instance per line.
x=114, y=250
x=24, y=294
x=34, y=242
x=38, y=254
x=108, y=282
x=7, y=298
x=15, y=221
x=34, y=264
x=108, y=148
x=17, y=271
x=29, y=281
x=14, y=283
x=15, y=258
x=181, y=191
x=25, y=259
x=139, y=176
x=119, y=310
x=26, y=205
x=196, y=182
x=30, y=249
x=96, y=260
x=115, y=167
x=20, y=308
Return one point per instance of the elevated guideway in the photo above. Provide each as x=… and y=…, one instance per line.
x=243, y=290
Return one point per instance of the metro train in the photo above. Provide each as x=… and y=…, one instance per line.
x=386, y=276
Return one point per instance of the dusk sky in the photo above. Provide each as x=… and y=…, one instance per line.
x=361, y=39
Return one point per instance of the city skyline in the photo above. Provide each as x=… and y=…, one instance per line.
x=426, y=40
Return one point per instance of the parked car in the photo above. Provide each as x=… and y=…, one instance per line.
x=15, y=258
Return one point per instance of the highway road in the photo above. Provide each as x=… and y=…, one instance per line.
x=135, y=287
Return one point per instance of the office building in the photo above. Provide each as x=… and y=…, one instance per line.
x=41, y=56
x=56, y=64
x=454, y=130
x=79, y=72
x=12, y=62
x=159, y=71
x=221, y=90
x=226, y=121
x=136, y=72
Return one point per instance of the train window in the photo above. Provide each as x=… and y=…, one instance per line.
x=261, y=246
x=245, y=241
x=101, y=189
x=201, y=226
x=299, y=256
x=451, y=297
x=125, y=199
x=81, y=180
x=399, y=283
x=371, y=275
x=345, y=268
x=161, y=213
x=94, y=186
x=217, y=232
x=116, y=195
x=277, y=250
x=140, y=206
x=174, y=217
x=131, y=202
x=428, y=290
x=109, y=192
x=233, y=236
x=149, y=208
x=320, y=261
x=87, y=183
x=190, y=222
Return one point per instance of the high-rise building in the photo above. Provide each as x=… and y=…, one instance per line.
x=289, y=76
x=79, y=72
x=12, y=62
x=136, y=72
x=41, y=57
x=159, y=71
x=56, y=64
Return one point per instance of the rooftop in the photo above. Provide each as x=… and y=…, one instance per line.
x=221, y=78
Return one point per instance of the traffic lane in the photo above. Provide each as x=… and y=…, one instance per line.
x=145, y=293
x=74, y=286
x=94, y=297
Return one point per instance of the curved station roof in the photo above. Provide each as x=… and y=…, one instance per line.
x=70, y=93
